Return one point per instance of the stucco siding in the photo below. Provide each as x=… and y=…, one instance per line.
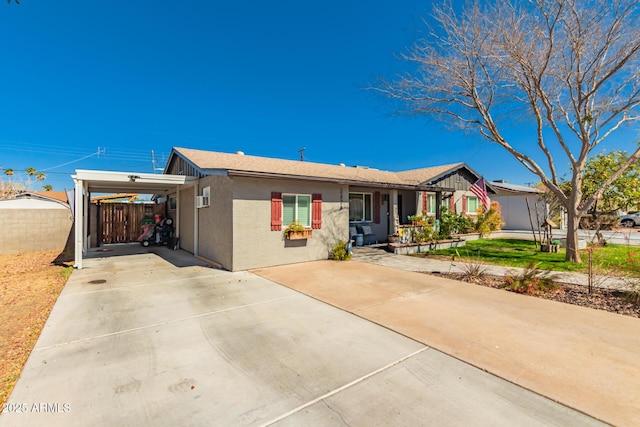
x=256, y=245
x=187, y=206
x=215, y=222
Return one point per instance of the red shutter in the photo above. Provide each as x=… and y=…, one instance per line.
x=376, y=207
x=452, y=204
x=276, y=211
x=316, y=211
x=425, y=198
x=464, y=204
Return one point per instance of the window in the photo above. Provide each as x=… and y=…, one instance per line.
x=296, y=208
x=431, y=204
x=360, y=207
x=472, y=204
x=173, y=202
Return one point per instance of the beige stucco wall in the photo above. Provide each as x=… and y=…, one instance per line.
x=32, y=230
x=256, y=245
x=216, y=223
x=187, y=207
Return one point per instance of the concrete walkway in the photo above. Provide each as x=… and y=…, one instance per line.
x=144, y=341
x=583, y=358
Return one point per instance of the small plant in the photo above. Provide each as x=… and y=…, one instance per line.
x=294, y=227
x=472, y=270
x=633, y=292
x=532, y=281
x=340, y=251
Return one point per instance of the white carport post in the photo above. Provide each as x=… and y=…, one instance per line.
x=79, y=222
x=196, y=223
x=177, y=218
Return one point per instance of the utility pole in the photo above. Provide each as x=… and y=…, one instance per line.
x=153, y=161
x=301, y=151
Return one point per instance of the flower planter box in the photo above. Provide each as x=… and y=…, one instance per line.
x=299, y=235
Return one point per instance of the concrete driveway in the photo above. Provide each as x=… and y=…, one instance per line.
x=139, y=340
x=586, y=359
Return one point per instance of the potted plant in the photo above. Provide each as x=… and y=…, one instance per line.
x=296, y=231
x=416, y=220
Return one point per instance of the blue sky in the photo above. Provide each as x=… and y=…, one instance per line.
x=267, y=78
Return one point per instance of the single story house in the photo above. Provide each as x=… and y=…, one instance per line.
x=236, y=211
x=232, y=209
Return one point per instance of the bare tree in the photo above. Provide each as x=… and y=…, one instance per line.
x=567, y=68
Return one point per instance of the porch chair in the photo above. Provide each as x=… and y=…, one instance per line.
x=354, y=236
x=369, y=234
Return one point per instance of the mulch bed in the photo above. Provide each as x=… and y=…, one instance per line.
x=611, y=300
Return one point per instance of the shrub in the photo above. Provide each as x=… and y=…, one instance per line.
x=489, y=221
x=472, y=270
x=451, y=223
x=532, y=281
x=340, y=251
x=423, y=234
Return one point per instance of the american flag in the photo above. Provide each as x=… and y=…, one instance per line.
x=480, y=191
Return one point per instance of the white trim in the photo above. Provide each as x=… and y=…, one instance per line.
x=196, y=225
x=77, y=221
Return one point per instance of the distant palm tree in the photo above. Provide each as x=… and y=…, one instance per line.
x=30, y=172
x=40, y=176
x=8, y=172
x=47, y=187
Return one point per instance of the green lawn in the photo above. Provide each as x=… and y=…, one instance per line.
x=618, y=259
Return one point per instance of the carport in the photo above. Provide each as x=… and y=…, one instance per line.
x=93, y=181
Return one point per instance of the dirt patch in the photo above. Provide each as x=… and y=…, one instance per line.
x=611, y=300
x=29, y=287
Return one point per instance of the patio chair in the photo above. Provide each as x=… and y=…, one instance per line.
x=355, y=236
x=369, y=235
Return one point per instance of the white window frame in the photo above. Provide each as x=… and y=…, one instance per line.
x=364, y=204
x=295, y=213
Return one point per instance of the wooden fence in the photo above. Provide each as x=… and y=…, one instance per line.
x=122, y=222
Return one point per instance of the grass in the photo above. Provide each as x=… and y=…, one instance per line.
x=520, y=253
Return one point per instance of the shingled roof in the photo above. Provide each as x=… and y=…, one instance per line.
x=240, y=164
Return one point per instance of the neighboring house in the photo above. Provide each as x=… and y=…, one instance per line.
x=236, y=211
x=34, y=221
x=518, y=205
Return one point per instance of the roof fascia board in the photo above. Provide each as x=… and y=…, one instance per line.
x=144, y=178
x=389, y=185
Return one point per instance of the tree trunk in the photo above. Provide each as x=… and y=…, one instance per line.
x=573, y=253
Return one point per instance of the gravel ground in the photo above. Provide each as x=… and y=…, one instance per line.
x=611, y=300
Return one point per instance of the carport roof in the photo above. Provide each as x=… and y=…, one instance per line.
x=127, y=182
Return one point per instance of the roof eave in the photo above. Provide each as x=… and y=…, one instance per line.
x=376, y=184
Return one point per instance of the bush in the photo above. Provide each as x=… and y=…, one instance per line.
x=451, y=223
x=489, y=221
x=340, y=251
x=532, y=281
